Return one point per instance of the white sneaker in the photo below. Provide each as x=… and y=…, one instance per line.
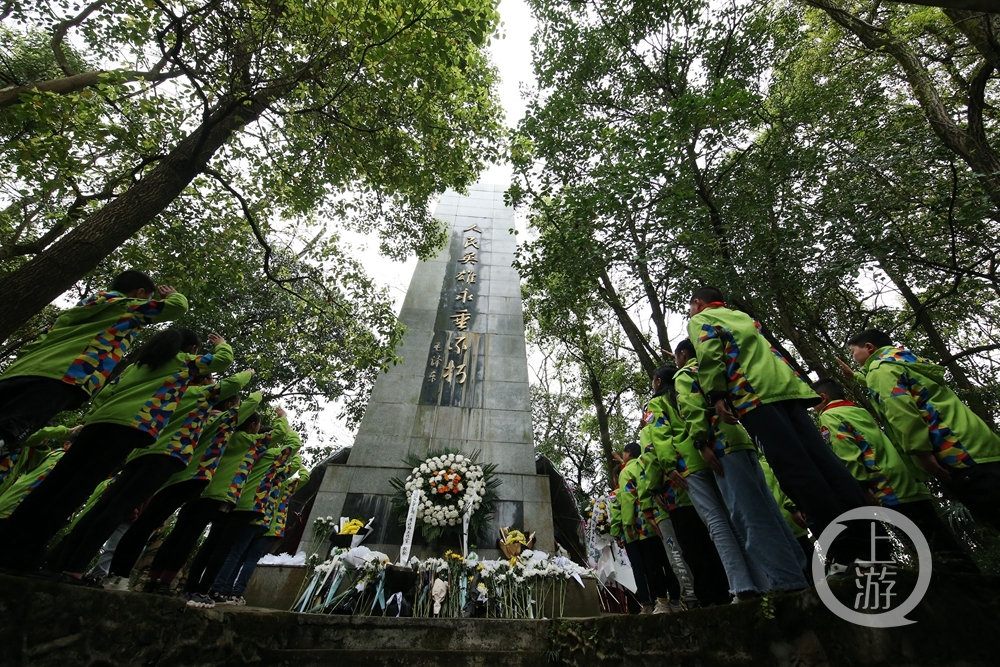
x=647, y=609
x=116, y=584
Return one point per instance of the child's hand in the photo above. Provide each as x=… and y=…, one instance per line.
x=800, y=519
x=845, y=369
x=712, y=460
x=281, y=413
x=930, y=463
x=76, y=429
x=215, y=339
x=722, y=409
x=678, y=479
x=165, y=290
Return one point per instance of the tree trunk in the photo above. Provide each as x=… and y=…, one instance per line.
x=36, y=284
x=603, y=423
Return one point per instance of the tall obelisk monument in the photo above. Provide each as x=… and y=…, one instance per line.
x=463, y=384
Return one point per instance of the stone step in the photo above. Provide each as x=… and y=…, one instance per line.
x=404, y=658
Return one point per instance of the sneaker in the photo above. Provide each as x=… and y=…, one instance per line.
x=116, y=583
x=647, y=609
x=218, y=598
x=836, y=570
x=671, y=607
x=199, y=601
x=238, y=601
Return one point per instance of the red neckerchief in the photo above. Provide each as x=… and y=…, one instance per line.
x=839, y=404
x=716, y=304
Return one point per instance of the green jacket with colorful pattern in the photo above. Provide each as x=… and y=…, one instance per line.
x=663, y=428
x=85, y=343
x=634, y=525
x=213, y=441
x=230, y=481
x=32, y=454
x=146, y=398
x=921, y=414
x=736, y=362
x=183, y=433
x=267, y=471
x=868, y=454
x=28, y=482
x=702, y=422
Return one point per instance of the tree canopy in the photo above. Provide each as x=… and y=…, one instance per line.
x=830, y=165
x=226, y=147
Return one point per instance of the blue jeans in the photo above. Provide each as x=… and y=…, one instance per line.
x=744, y=576
x=762, y=530
x=254, y=552
x=226, y=577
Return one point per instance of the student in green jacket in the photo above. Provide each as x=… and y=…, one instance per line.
x=746, y=381
x=68, y=364
x=29, y=480
x=882, y=472
x=267, y=531
x=181, y=443
x=129, y=414
x=35, y=450
x=642, y=543
x=236, y=488
x=930, y=424
x=659, y=458
x=729, y=471
x=233, y=445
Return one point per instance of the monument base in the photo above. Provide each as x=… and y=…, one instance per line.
x=365, y=492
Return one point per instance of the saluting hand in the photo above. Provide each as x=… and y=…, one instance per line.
x=281, y=413
x=215, y=339
x=845, y=368
x=165, y=290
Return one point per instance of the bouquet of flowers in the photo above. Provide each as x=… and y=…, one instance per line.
x=512, y=541
x=450, y=484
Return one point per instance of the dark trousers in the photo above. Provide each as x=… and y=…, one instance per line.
x=711, y=586
x=243, y=556
x=945, y=549
x=98, y=452
x=28, y=403
x=261, y=545
x=191, y=522
x=164, y=503
x=810, y=473
x=215, y=550
x=978, y=488
x=240, y=533
x=139, y=479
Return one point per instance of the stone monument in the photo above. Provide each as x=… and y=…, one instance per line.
x=462, y=384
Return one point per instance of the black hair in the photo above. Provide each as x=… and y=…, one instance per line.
x=164, y=346
x=829, y=387
x=873, y=336
x=685, y=346
x=633, y=449
x=227, y=403
x=249, y=422
x=130, y=280
x=708, y=294
x=666, y=376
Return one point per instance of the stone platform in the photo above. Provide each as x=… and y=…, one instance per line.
x=43, y=624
